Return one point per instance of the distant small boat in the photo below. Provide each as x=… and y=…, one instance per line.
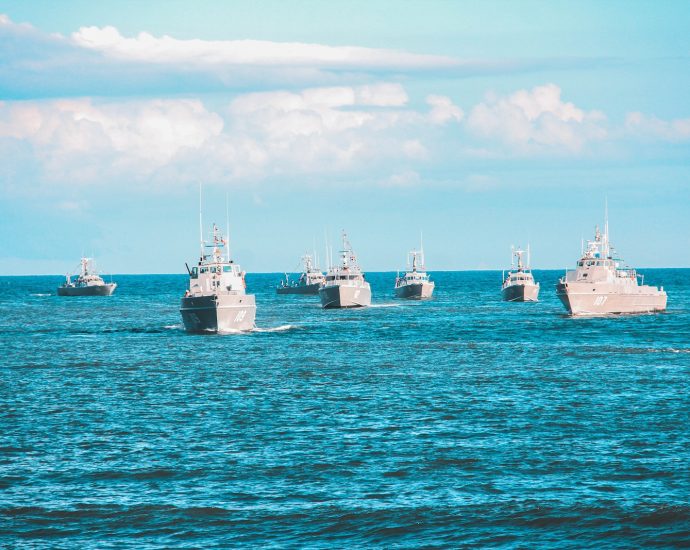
x=519, y=285
x=415, y=284
x=88, y=283
x=310, y=281
x=345, y=285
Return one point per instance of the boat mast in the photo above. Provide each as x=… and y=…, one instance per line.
x=606, y=228
x=344, y=251
x=227, y=228
x=201, y=227
x=421, y=251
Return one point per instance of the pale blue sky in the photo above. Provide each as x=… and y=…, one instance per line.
x=482, y=124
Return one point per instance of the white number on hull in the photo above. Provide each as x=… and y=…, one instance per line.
x=240, y=316
x=600, y=300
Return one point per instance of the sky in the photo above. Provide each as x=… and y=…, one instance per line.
x=482, y=125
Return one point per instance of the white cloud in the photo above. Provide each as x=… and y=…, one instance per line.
x=264, y=134
x=166, y=49
x=536, y=120
x=653, y=128
x=84, y=139
x=443, y=110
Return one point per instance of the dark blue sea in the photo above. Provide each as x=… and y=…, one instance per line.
x=462, y=421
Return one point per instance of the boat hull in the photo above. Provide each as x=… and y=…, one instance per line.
x=222, y=313
x=342, y=296
x=520, y=293
x=93, y=290
x=303, y=289
x=415, y=291
x=593, y=299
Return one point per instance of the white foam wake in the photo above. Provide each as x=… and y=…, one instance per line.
x=280, y=328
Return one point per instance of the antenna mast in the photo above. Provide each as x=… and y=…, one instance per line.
x=421, y=247
x=201, y=226
x=606, y=227
x=227, y=225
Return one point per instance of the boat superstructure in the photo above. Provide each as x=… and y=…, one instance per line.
x=216, y=300
x=599, y=285
x=87, y=283
x=519, y=284
x=345, y=285
x=310, y=281
x=415, y=283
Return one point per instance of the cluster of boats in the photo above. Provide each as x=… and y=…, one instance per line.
x=344, y=285
x=217, y=301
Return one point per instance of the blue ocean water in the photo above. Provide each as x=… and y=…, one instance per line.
x=459, y=421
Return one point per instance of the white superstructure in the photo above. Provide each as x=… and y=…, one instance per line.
x=345, y=285
x=600, y=284
x=519, y=284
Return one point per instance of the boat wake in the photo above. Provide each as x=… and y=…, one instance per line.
x=385, y=305
x=41, y=294
x=173, y=327
x=281, y=328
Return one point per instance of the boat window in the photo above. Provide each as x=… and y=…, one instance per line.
x=580, y=264
x=203, y=269
x=227, y=268
x=195, y=273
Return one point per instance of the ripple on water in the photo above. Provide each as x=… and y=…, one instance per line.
x=462, y=421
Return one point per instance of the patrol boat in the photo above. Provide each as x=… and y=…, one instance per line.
x=88, y=283
x=310, y=281
x=519, y=285
x=600, y=286
x=345, y=285
x=415, y=284
x=216, y=300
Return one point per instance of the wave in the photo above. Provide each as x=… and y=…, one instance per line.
x=385, y=305
x=42, y=294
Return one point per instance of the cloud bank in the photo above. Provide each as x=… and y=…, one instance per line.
x=535, y=120
x=256, y=135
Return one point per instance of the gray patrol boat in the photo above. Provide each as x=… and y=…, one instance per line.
x=310, y=281
x=601, y=286
x=88, y=283
x=216, y=300
x=415, y=283
x=345, y=285
x=519, y=285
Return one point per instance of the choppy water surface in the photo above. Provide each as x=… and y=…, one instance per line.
x=460, y=421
